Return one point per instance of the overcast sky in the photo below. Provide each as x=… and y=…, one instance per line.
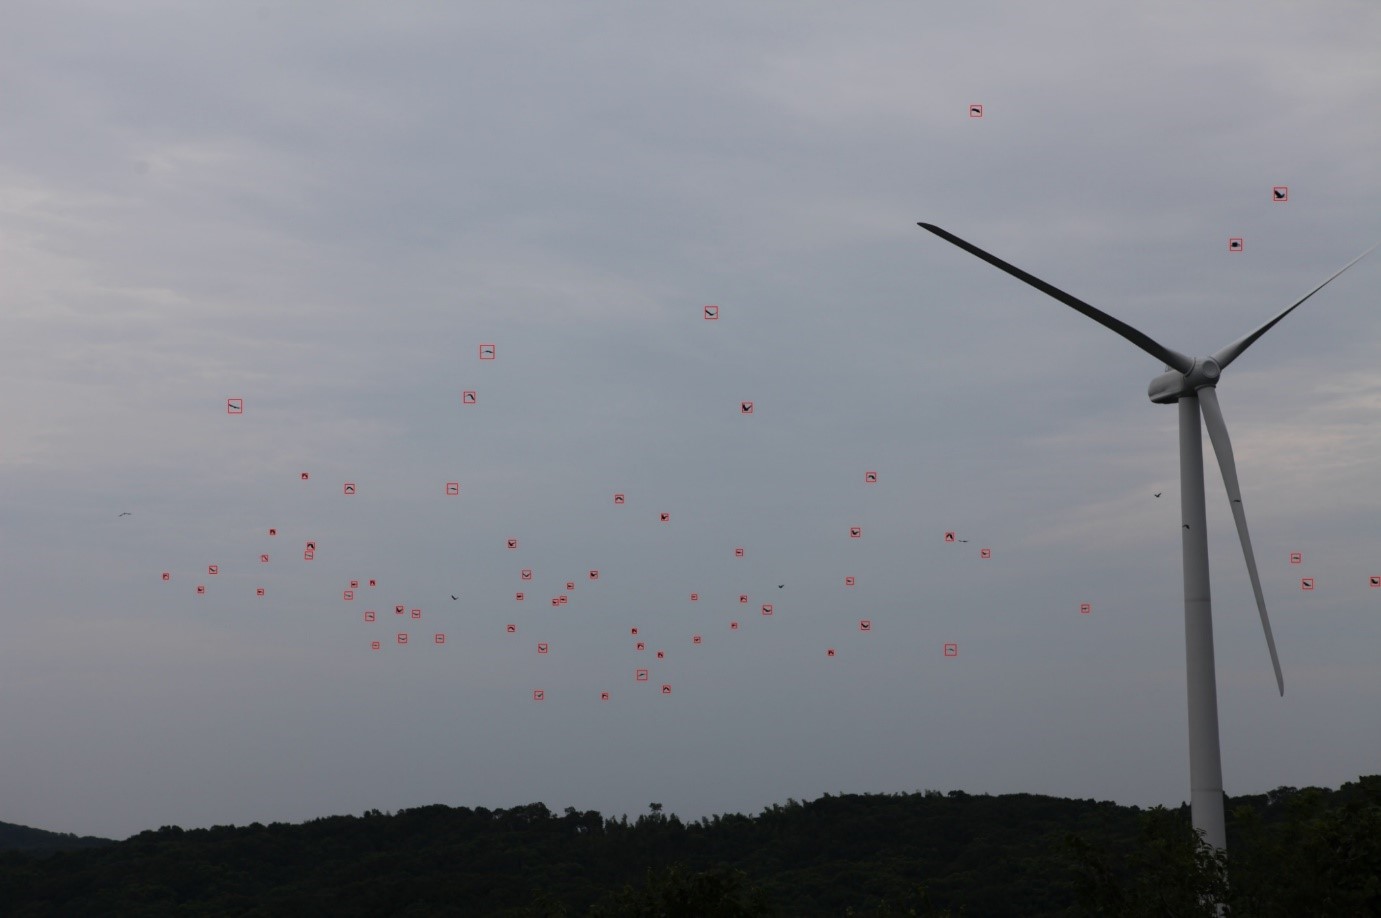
x=325, y=209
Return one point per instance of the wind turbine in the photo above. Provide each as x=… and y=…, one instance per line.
x=1191, y=382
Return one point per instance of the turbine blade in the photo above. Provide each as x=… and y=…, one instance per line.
x=1234, y=350
x=1218, y=433
x=1157, y=350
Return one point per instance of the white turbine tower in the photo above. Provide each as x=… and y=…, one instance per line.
x=1190, y=382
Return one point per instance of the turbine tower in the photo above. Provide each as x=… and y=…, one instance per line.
x=1191, y=383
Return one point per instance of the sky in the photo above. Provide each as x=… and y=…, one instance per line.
x=326, y=210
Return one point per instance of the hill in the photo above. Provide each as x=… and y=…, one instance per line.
x=23, y=838
x=1295, y=852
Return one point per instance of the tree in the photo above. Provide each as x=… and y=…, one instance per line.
x=672, y=893
x=1172, y=873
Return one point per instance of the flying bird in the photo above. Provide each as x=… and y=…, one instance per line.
x=454, y=596
x=1157, y=494
x=126, y=513
x=780, y=585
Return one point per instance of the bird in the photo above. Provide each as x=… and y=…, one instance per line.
x=454, y=596
x=1158, y=494
x=126, y=513
x=1279, y=193
x=780, y=585
x=963, y=540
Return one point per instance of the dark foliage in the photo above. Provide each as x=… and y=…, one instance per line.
x=23, y=838
x=1296, y=853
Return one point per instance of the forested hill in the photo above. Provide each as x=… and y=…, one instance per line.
x=1294, y=852
x=23, y=838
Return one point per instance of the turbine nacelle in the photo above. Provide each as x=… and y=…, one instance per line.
x=1172, y=385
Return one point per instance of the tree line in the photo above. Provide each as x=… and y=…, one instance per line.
x=1291, y=853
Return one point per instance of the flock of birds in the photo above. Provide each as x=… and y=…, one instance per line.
x=402, y=636
x=487, y=352
x=638, y=643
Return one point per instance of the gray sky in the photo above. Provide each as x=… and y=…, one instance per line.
x=325, y=209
